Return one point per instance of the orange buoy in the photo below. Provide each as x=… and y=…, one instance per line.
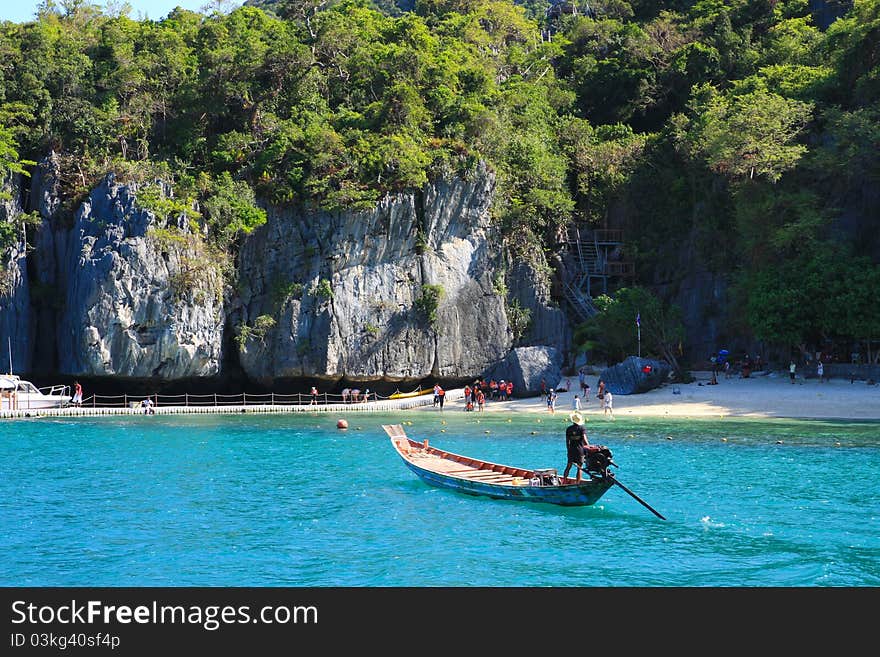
x=342, y=424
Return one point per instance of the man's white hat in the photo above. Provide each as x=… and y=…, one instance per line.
x=577, y=418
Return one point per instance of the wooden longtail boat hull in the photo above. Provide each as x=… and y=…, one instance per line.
x=475, y=477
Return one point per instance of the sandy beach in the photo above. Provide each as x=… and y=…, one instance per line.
x=759, y=396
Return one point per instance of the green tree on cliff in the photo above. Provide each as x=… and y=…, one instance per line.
x=614, y=335
x=10, y=162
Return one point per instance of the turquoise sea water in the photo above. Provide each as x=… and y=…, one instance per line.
x=289, y=500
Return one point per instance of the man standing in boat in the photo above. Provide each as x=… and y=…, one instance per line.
x=576, y=445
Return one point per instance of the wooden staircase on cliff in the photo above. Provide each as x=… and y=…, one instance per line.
x=595, y=264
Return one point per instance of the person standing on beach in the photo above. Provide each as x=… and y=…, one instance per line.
x=791, y=370
x=820, y=372
x=441, y=394
x=746, y=367
x=576, y=444
x=551, y=401
x=576, y=403
x=608, y=398
x=314, y=396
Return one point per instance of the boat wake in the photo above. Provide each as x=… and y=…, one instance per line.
x=707, y=522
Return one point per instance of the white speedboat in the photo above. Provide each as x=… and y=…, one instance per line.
x=18, y=394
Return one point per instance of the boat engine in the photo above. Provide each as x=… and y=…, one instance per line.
x=598, y=460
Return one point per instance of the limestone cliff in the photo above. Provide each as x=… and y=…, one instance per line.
x=402, y=292
x=15, y=319
x=416, y=287
x=142, y=299
x=49, y=247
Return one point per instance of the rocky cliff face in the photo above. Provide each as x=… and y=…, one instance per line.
x=406, y=291
x=141, y=299
x=825, y=12
x=50, y=245
x=703, y=298
x=548, y=325
x=526, y=367
x=635, y=375
x=15, y=318
x=349, y=295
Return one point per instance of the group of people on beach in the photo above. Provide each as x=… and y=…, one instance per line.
x=606, y=399
x=477, y=394
x=439, y=396
x=807, y=362
x=500, y=390
x=353, y=395
x=720, y=361
x=474, y=397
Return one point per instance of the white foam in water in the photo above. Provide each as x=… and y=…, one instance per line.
x=707, y=521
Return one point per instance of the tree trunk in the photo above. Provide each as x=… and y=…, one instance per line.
x=672, y=360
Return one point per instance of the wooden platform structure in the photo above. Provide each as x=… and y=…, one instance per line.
x=385, y=405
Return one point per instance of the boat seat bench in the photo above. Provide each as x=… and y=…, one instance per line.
x=496, y=478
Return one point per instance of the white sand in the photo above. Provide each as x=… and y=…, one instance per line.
x=767, y=396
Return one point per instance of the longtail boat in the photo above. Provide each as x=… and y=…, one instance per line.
x=476, y=477
x=415, y=393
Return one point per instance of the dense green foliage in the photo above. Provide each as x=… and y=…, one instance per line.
x=262, y=325
x=429, y=301
x=614, y=333
x=739, y=129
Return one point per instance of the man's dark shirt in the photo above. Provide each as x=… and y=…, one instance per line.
x=574, y=440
